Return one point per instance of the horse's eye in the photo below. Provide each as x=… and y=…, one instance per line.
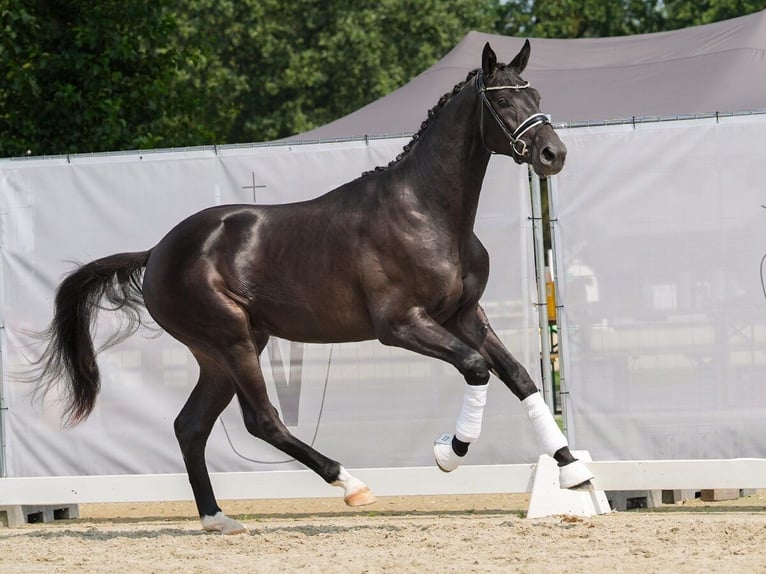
x=502, y=102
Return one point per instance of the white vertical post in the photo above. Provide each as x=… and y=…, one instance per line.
x=3, y=467
x=3, y=407
x=560, y=311
x=542, y=311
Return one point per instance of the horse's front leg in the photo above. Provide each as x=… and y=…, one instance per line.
x=572, y=472
x=473, y=326
x=419, y=332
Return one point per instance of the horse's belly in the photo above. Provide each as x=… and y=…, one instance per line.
x=328, y=322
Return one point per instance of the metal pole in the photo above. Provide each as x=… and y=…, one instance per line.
x=560, y=312
x=542, y=310
x=3, y=408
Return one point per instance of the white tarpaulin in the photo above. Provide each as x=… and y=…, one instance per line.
x=363, y=404
x=662, y=237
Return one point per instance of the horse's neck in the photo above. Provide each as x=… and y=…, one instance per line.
x=447, y=165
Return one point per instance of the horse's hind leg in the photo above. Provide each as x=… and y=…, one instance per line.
x=262, y=421
x=192, y=426
x=235, y=350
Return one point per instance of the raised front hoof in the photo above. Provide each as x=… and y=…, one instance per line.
x=222, y=524
x=575, y=476
x=582, y=487
x=361, y=497
x=445, y=457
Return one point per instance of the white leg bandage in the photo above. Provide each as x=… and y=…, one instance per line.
x=549, y=435
x=468, y=426
x=467, y=429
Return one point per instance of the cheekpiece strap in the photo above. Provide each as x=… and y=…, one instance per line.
x=529, y=123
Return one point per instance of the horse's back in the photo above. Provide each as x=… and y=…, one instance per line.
x=329, y=269
x=284, y=265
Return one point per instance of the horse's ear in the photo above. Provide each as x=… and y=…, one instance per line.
x=521, y=59
x=488, y=60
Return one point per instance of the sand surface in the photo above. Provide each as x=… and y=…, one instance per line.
x=398, y=534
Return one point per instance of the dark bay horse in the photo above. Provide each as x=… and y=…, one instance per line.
x=390, y=256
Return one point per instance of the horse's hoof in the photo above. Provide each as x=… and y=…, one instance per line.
x=582, y=487
x=361, y=497
x=575, y=475
x=223, y=524
x=445, y=457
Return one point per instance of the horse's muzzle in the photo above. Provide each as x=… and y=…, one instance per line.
x=550, y=157
x=548, y=152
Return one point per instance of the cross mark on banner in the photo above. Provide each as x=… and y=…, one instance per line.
x=253, y=186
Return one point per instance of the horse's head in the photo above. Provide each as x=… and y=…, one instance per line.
x=511, y=121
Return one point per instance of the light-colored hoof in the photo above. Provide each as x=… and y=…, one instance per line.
x=445, y=457
x=357, y=493
x=574, y=475
x=223, y=524
x=361, y=497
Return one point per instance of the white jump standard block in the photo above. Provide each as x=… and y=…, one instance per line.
x=549, y=499
x=17, y=515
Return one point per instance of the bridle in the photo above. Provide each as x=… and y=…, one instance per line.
x=514, y=137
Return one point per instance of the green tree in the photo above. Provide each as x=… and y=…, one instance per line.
x=684, y=13
x=18, y=29
x=579, y=18
x=600, y=18
x=108, y=75
x=275, y=68
x=124, y=74
x=87, y=76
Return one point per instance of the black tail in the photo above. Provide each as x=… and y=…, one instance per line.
x=69, y=357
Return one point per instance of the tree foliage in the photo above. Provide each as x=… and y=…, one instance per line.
x=683, y=13
x=86, y=76
x=274, y=68
x=600, y=18
x=126, y=74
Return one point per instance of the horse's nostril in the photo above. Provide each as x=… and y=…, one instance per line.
x=548, y=155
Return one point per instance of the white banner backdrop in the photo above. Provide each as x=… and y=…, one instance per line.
x=662, y=241
x=364, y=404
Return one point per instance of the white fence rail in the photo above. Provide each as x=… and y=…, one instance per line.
x=491, y=479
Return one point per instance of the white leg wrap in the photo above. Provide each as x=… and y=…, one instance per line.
x=222, y=523
x=549, y=435
x=468, y=426
x=467, y=429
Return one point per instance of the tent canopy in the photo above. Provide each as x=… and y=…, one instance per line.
x=719, y=67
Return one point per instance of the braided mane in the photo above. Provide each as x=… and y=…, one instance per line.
x=432, y=113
